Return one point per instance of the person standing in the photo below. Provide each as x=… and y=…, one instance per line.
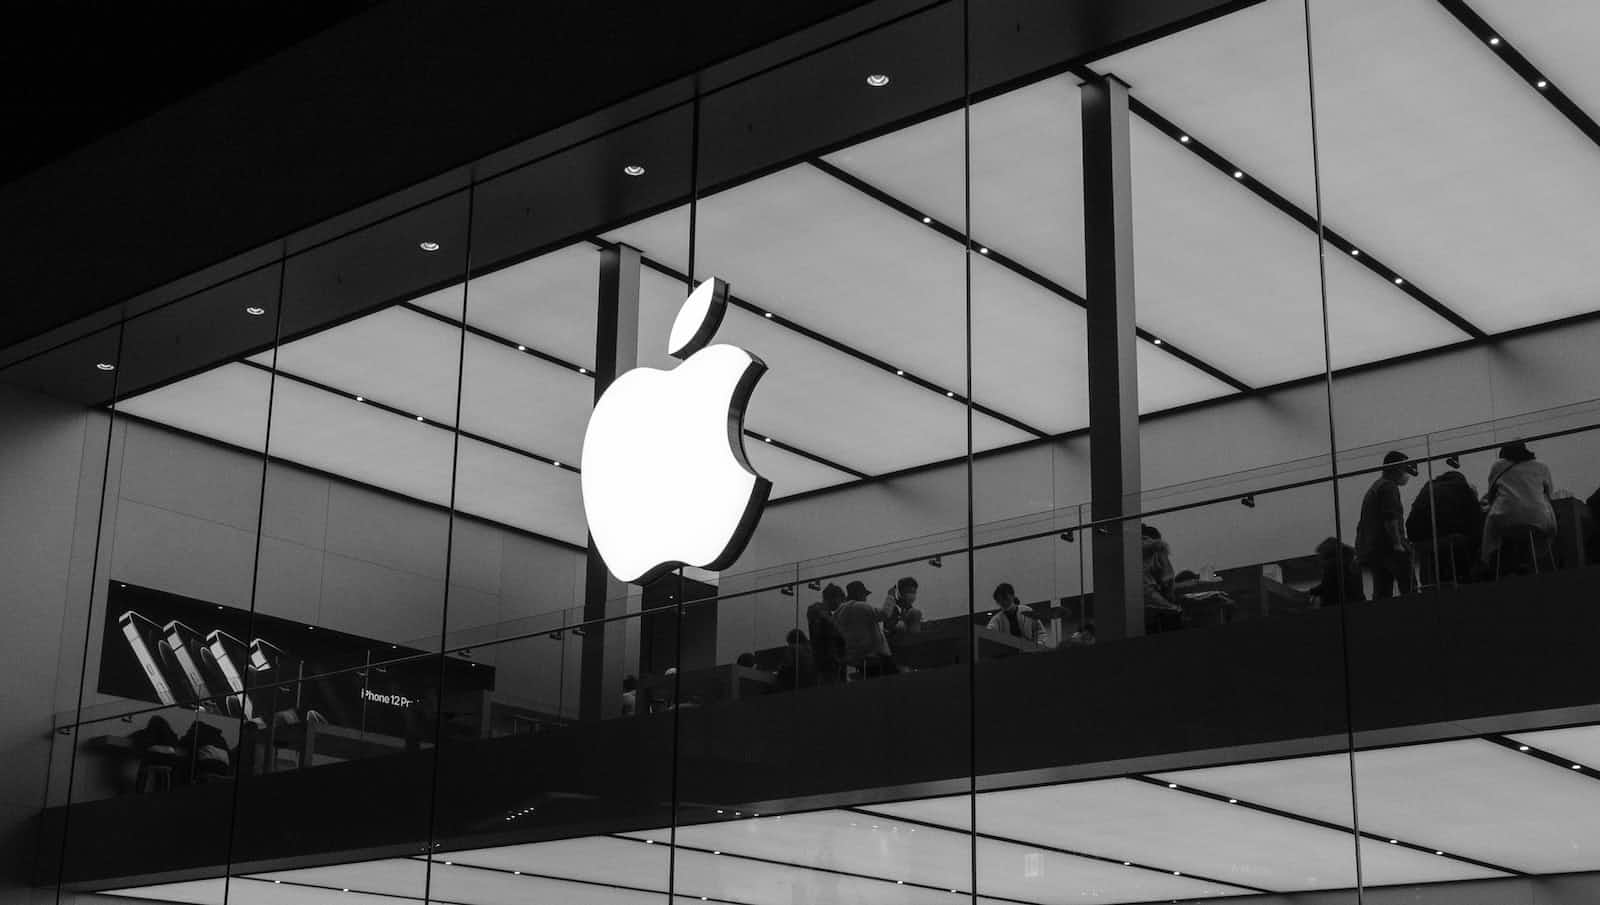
x=1012, y=618
x=1380, y=533
x=865, y=646
x=827, y=642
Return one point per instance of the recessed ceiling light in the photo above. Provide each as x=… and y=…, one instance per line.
x=769, y=314
x=583, y=370
x=1158, y=342
x=1238, y=174
x=428, y=246
x=106, y=366
x=1127, y=864
x=877, y=80
x=1172, y=785
x=1494, y=42
x=255, y=311
x=1394, y=841
x=899, y=373
x=633, y=169
x=716, y=853
x=556, y=464
x=950, y=393
x=361, y=399
x=1177, y=873
x=927, y=219
x=1522, y=747
x=1543, y=84
x=768, y=439
x=1355, y=252
x=522, y=348
x=1183, y=138
x=419, y=417
x=1233, y=801
x=1577, y=766
x=1399, y=282
x=1438, y=853
x=983, y=251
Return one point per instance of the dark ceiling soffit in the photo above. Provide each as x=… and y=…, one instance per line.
x=1523, y=67
x=1258, y=392
x=836, y=345
x=585, y=372
x=1332, y=238
x=1013, y=265
x=383, y=491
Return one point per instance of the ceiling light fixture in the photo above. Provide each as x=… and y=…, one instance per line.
x=522, y=348
x=927, y=219
x=1438, y=853
x=419, y=417
x=1183, y=138
x=1355, y=252
x=1158, y=342
x=899, y=373
x=877, y=80
x=1577, y=766
x=1394, y=841
x=633, y=169
x=1399, y=282
x=106, y=366
x=768, y=439
x=1494, y=42
x=950, y=393
x=1543, y=84
x=1233, y=801
x=583, y=370
x=984, y=250
x=1238, y=174
x=556, y=464
x=1522, y=747
x=255, y=311
x=361, y=399
x=428, y=246
x=769, y=314
x=1172, y=785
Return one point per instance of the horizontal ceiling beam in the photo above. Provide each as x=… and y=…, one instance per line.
x=1012, y=264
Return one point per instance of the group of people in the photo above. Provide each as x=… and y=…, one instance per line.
x=849, y=634
x=1451, y=532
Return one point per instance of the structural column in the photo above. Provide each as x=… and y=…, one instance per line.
x=1113, y=359
x=616, y=352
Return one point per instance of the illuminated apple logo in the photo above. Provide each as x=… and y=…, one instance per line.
x=665, y=477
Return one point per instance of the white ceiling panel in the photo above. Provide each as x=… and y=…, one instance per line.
x=1435, y=156
x=228, y=403
x=1471, y=798
x=1027, y=177
x=788, y=472
x=197, y=892
x=1128, y=819
x=545, y=303
x=519, y=491
x=396, y=356
x=806, y=246
x=529, y=403
x=247, y=891
x=825, y=401
x=1581, y=744
x=881, y=847
x=1235, y=282
x=1558, y=37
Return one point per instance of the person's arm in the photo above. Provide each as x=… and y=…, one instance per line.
x=1394, y=512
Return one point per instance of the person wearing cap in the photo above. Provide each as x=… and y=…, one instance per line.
x=1520, y=516
x=866, y=648
x=827, y=642
x=1380, y=534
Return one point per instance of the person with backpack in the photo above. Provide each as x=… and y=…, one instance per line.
x=1519, y=516
x=1445, y=527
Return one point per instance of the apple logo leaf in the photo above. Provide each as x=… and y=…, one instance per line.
x=665, y=478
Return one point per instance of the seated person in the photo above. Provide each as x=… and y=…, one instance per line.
x=1341, y=574
x=899, y=612
x=1445, y=527
x=1521, y=519
x=747, y=660
x=1161, y=609
x=865, y=647
x=799, y=669
x=827, y=642
x=1013, y=618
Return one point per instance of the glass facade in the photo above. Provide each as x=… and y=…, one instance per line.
x=1179, y=420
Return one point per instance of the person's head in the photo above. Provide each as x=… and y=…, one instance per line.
x=906, y=590
x=1005, y=595
x=1328, y=549
x=856, y=590
x=1516, y=451
x=795, y=636
x=832, y=596
x=1149, y=532
x=1397, y=466
x=746, y=659
x=630, y=683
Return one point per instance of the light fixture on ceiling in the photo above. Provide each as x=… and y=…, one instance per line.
x=899, y=373
x=1494, y=41
x=1394, y=841
x=428, y=246
x=255, y=311
x=768, y=439
x=1522, y=747
x=1542, y=84
x=1399, y=281
x=1233, y=801
x=1157, y=341
x=1577, y=766
x=106, y=366
x=633, y=169
x=583, y=370
x=1177, y=873
x=983, y=250
x=1172, y=785
x=1127, y=864
x=521, y=348
x=769, y=314
x=556, y=464
x=1238, y=174
x=361, y=399
x=1355, y=252
x=419, y=417
x=950, y=393
x=1183, y=138
x=927, y=219
x=877, y=80
x=1438, y=852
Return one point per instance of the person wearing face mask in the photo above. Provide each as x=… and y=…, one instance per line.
x=1381, y=543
